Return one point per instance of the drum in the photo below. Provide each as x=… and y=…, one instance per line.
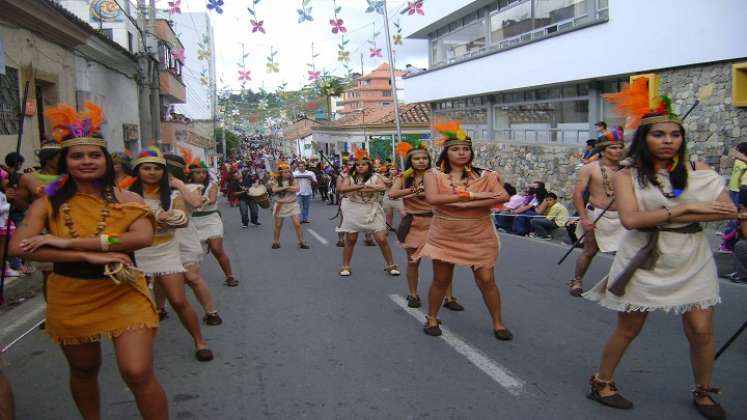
x=259, y=194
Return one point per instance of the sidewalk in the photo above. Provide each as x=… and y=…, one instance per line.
x=23, y=307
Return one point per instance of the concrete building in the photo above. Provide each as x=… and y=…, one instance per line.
x=109, y=19
x=372, y=90
x=65, y=60
x=526, y=77
x=198, y=75
x=173, y=91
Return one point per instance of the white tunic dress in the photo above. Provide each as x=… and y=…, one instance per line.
x=684, y=276
x=190, y=247
x=209, y=225
x=164, y=257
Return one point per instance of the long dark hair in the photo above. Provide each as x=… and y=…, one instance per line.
x=174, y=169
x=190, y=177
x=408, y=165
x=644, y=160
x=69, y=189
x=369, y=174
x=443, y=160
x=164, y=187
x=279, y=178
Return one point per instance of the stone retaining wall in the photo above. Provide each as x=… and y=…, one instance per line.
x=713, y=129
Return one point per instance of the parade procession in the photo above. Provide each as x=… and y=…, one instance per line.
x=493, y=209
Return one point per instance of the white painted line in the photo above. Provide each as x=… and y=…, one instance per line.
x=33, y=315
x=318, y=237
x=490, y=367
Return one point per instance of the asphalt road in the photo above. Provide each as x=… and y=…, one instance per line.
x=299, y=342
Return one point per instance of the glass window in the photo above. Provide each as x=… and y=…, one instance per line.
x=463, y=42
x=511, y=22
x=543, y=122
x=570, y=91
x=554, y=93
x=550, y=12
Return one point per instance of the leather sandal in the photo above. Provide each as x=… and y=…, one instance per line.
x=615, y=400
x=303, y=245
x=413, y=301
x=345, y=271
x=340, y=244
x=432, y=330
x=231, y=282
x=393, y=270
x=204, y=355
x=503, y=335
x=453, y=305
x=275, y=245
x=212, y=319
x=574, y=288
x=711, y=412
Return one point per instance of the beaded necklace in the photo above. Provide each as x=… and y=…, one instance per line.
x=100, y=226
x=609, y=189
x=455, y=188
x=365, y=196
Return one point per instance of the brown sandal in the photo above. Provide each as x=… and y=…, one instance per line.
x=432, y=330
x=711, y=412
x=204, y=355
x=615, y=400
x=231, y=282
x=574, y=288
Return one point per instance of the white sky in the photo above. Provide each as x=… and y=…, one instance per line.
x=293, y=40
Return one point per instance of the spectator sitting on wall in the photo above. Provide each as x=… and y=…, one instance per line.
x=505, y=217
x=737, y=183
x=740, y=248
x=556, y=215
x=601, y=128
x=590, y=151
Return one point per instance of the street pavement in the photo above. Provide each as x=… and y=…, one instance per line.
x=299, y=342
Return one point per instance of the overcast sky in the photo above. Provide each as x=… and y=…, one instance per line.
x=293, y=40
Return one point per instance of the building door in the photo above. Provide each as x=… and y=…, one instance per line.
x=40, y=112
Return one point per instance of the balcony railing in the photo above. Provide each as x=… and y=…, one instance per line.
x=543, y=136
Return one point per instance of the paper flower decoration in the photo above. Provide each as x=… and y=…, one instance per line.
x=375, y=6
x=397, y=39
x=343, y=55
x=253, y=119
x=414, y=7
x=374, y=52
x=203, y=54
x=216, y=5
x=338, y=26
x=179, y=55
x=245, y=75
x=273, y=67
x=314, y=75
x=175, y=7
x=257, y=26
x=304, y=13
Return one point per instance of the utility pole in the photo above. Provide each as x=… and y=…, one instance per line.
x=144, y=76
x=394, y=83
x=154, y=59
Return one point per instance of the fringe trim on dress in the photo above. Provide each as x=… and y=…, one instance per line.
x=165, y=273
x=677, y=309
x=93, y=338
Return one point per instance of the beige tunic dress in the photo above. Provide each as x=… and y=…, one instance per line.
x=608, y=231
x=286, y=204
x=362, y=212
x=684, y=276
x=163, y=257
x=190, y=247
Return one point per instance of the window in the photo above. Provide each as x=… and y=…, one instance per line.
x=130, y=41
x=464, y=42
x=387, y=93
x=107, y=33
x=511, y=21
x=9, y=101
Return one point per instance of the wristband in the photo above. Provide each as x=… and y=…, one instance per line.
x=104, y=240
x=471, y=196
x=465, y=195
x=669, y=216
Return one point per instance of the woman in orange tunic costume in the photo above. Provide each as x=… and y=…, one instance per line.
x=462, y=232
x=93, y=228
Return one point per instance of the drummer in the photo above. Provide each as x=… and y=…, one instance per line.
x=239, y=186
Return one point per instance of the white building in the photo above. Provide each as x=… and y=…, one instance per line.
x=533, y=71
x=109, y=18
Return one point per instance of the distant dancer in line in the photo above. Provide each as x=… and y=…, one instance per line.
x=597, y=178
x=362, y=212
x=462, y=230
x=285, y=187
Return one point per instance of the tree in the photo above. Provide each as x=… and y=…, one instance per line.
x=232, y=141
x=330, y=86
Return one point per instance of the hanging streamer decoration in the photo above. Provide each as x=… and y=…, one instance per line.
x=216, y=5
x=175, y=7
x=304, y=13
x=415, y=7
x=375, y=6
x=338, y=24
x=257, y=25
x=397, y=37
x=374, y=51
x=272, y=65
x=314, y=75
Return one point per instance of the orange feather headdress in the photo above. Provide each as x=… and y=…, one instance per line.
x=360, y=154
x=71, y=128
x=633, y=102
x=451, y=133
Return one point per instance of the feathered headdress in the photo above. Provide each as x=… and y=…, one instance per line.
x=451, y=133
x=50, y=145
x=150, y=154
x=404, y=149
x=282, y=166
x=633, y=102
x=121, y=157
x=81, y=126
x=126, y=182
x=609, y=138
x=360, y=154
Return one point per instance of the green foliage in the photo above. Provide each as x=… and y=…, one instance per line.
x=232, y=140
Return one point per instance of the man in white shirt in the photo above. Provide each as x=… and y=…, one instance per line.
x=305, y=178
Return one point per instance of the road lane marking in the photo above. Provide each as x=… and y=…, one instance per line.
x=490, y=367
x=318, y=237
